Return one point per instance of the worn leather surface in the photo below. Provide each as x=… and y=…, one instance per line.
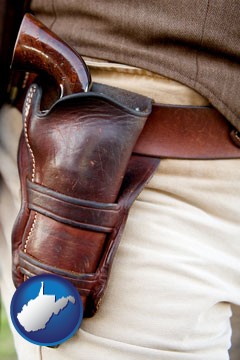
x=82, y=164
x=77, y=185
x=188, y=132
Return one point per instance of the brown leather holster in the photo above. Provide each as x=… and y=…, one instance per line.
x=78, y=180
x=83, y=162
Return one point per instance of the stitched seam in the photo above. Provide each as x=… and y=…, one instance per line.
x=201, y=42
x=26, y=113
x=30, y=232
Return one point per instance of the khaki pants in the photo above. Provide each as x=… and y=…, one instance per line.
x=177, y=269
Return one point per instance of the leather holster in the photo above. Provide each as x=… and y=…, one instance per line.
x=78, y=180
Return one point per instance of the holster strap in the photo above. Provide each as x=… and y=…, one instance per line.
x=91, y=286
x=84, y=214
x=185, y=132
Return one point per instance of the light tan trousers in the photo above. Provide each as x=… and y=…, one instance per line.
x=178, y=265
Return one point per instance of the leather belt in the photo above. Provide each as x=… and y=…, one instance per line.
x=186, y=132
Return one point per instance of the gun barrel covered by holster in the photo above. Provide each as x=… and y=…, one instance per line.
x=85, y=158
x=78, y=175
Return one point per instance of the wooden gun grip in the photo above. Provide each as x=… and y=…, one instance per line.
x=39, y=50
